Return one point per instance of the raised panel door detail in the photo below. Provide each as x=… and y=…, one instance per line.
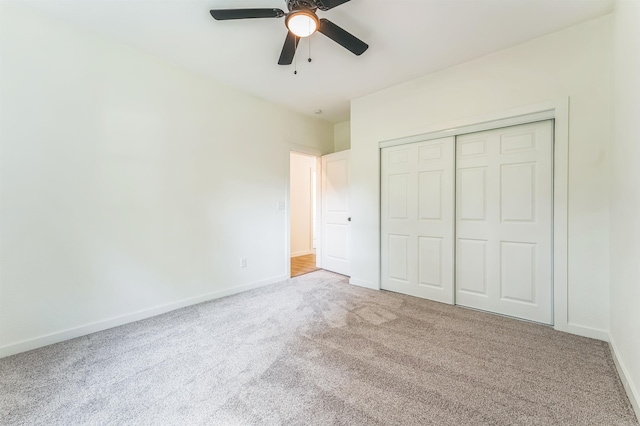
x=430, y=261
x=337, y=244
x=517, y=142
x=518, y=192
x=472, y=194
x=398, y=193
x=472, y=148
x=337, y=180
x=430, y=195
x=517, y=271
x=430, y=153
x=399, y=257
x=399, y=157
x=471, y=273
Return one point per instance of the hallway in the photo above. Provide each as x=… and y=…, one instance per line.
x=301, y=265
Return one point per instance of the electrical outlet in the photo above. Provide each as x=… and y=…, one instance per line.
x=280, y=205
x=243, y=262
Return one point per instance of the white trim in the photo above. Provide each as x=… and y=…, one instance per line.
x=302, y=253
x=318, y=248
x=590, y=332
x=559, y=111
x=629, y=387
x=561, y=220
x=72, y=333
x=472, y=128
x=304, y=150
x=364, y=284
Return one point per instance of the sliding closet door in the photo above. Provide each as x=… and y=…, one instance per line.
x=417, y=219
x=504, y=205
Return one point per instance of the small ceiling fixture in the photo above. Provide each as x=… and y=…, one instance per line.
x=302, y=22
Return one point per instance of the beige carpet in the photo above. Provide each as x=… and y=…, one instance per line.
x=318, y=351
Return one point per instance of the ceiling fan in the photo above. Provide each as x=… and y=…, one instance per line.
x=301, y=21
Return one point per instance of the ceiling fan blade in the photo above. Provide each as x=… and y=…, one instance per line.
x=329, y=4
x=225, y=14
x=342, y=37
x=289, y=49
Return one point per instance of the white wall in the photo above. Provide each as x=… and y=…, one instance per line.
x=301, y=204
x=625, y=195
x=572, y=63
x=129, y=186
x=342, y=136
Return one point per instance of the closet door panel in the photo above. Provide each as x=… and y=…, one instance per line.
x=417, y=219
x=504, y=205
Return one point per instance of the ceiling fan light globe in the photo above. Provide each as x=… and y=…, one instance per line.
x=302, y=23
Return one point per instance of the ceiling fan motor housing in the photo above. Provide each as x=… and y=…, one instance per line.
x=293, y=5
x=320, y=4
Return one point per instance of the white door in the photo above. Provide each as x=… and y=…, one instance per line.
x=504, y=203
x=417, y=219
x=336, y=228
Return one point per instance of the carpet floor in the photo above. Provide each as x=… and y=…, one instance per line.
x=316, y=350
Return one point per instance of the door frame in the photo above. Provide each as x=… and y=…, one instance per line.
x=317, y=154
x=557, y=110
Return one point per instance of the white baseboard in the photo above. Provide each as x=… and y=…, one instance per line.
x=579, y=330
x=72, y=333
x=629, y=386
x=302, y=253
x=365, y=284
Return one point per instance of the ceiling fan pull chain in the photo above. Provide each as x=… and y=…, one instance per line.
x=309, y=49
x=295, y=59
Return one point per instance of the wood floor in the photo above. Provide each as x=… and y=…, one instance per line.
x=303, y=265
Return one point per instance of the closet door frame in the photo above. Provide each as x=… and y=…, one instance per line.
x=557, y=110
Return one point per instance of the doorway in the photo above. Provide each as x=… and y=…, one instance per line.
x=303, y=220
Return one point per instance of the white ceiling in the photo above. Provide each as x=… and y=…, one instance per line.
x=407, y=39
